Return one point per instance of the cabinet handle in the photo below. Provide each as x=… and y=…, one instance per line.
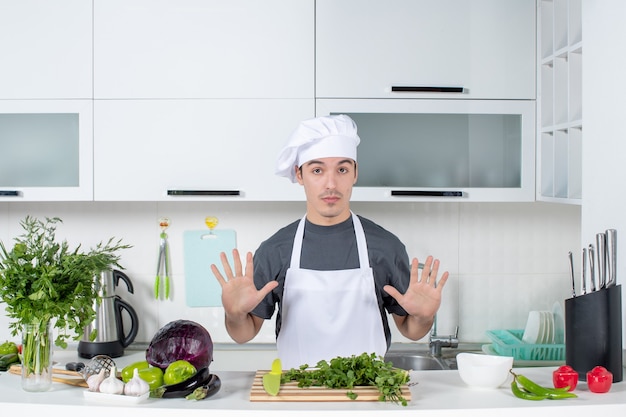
x=404, y=193
x=424, y=89
x=217, y=193
x=9, y=193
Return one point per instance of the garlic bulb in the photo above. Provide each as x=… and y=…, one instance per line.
x=136, y=386
x=112, y=385
x=94, y=381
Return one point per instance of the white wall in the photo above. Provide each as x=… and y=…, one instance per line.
x=504, y=258
x=604, y=135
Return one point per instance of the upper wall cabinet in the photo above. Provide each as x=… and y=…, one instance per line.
x=469, y=49
x=191, y=150
x=559, y=103
x=45, y=49
x=46, y=150
x=203, y=49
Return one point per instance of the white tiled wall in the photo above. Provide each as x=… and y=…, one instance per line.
x=504, y=258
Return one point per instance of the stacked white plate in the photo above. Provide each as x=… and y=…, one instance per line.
x=539, y=328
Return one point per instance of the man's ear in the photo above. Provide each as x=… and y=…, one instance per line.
x=298, y=172
x=356, y=173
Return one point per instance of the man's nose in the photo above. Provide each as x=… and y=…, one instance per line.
x=331, y=180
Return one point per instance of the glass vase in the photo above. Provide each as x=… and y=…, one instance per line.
x=37, y=357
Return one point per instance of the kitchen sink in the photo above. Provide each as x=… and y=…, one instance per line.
x=417, y=358
x=416, y=361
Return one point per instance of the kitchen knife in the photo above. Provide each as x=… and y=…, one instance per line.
x=592, y=268
x=601, y=256
x=611, y=258
x=583, y=275
x=571, y=271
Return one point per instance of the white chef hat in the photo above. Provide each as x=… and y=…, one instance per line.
x=321, y=137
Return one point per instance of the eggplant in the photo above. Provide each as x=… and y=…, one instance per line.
x=207, y=390
x=184, y=388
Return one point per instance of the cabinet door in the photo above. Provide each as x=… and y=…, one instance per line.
x=46, y=150
x=442, y=150
x=204, y=48
x=182, y=150
x=46, y=49
x=487, y=47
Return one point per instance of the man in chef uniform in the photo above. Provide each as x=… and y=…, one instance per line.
x=333, y=275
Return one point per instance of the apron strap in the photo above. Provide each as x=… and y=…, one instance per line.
x=361, y=243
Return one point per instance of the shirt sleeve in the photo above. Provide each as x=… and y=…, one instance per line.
x=271, y=261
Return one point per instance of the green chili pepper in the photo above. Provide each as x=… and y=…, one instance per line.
x=532, y=391
x=525, y=395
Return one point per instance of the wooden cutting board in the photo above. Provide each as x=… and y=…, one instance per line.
x=62, y=376
x=291, y=392
x=202, y=250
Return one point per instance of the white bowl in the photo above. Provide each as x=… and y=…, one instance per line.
x=483, y=371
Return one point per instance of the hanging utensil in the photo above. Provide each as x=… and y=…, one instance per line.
x=571, y=270
x=611, y=251
x=163, y=264
x=211, y=222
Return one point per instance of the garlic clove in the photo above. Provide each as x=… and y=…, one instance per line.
x=136, y=386
x=112, y=385
x=94, y=381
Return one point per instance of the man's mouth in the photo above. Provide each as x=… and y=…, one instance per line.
x=330, y=199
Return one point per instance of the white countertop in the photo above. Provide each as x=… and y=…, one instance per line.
x=434, y=393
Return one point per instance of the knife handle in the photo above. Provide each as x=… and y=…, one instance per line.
x=601, y=255
x=592, y=267
x=583, y=277
x=611, y=260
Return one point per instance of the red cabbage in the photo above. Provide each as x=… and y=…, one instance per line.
x=181, y=340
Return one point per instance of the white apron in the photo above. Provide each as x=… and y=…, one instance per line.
x=326, y=314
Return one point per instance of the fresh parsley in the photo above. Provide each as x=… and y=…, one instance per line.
x=349, y=372
x=43, y=281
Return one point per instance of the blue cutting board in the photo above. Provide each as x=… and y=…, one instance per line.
x=202, y=250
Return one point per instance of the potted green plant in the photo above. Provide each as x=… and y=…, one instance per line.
x=47, y=286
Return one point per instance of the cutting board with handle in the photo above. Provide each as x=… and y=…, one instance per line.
x=201, y=249
x=291, y=392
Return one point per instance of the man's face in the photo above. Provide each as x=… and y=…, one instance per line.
x=328, y=186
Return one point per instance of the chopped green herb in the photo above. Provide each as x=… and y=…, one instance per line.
x=349, y=372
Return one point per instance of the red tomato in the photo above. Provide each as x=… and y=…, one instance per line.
x=599, y=379
x=565, y=376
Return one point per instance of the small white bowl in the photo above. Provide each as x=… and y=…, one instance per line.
x=483, y=371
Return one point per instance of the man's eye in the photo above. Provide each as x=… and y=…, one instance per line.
x=317, y=171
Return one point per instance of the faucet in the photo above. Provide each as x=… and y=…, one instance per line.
x=435, y=342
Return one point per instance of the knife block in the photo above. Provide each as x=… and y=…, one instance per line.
x=593, y=332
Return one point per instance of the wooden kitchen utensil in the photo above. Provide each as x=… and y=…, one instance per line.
x=77, y=381
x=290, y=392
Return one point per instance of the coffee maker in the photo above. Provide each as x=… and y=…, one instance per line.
x=111, y=337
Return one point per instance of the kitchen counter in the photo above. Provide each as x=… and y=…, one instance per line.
x=434, y=393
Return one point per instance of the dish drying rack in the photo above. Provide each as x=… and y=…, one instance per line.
x=510, y=343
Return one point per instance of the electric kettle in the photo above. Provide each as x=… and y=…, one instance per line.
x=111, y=337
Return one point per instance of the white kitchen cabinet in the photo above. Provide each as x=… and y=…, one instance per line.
x=203, y=49
x=560, y=137
x=46, y=150
x=194, y=150
x=45, y=49
x=484, y=47
x=442, y=150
